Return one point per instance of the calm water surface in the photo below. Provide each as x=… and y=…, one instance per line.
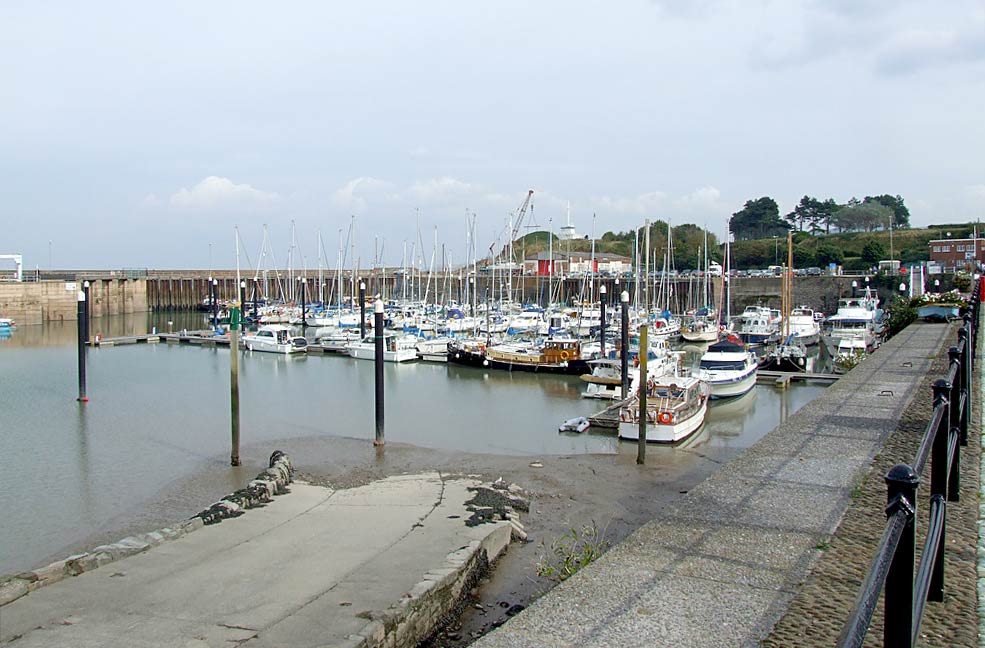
x=157, y=412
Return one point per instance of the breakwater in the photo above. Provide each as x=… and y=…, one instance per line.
x=52, y=296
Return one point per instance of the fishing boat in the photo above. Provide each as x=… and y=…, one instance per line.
x=555, y=355
x=675, y=409
x=729, y=368
x=396, y=348
x=275, y=338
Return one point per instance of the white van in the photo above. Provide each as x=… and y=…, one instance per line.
x=714, y=269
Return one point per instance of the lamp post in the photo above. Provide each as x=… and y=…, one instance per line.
x=776, y=250
x=854, y=287
x=624, y=339
x=602, y=319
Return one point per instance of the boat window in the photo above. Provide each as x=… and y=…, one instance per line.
x=723, y=365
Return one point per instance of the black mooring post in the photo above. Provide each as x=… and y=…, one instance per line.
x=215, y=304
x=86, y=290
x=602, y=326
x=82, y=347
x=362, y=309
x=901, y=495
x=624, y=301
x=304, y=305
x=242, y=296
x=378, y=360
x=256, y=291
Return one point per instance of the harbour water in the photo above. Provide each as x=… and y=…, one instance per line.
x=161, y=412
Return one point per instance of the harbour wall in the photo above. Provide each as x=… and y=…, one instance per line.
x=52, y=297
x=52, y=300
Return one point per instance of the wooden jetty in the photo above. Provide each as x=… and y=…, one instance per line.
x=199, y=338
x=607, y=418
x=784, y=378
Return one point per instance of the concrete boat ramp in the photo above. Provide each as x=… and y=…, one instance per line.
x=375, y=565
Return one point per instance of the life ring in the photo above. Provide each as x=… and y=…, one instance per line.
x=665, y=417
x=565, y=355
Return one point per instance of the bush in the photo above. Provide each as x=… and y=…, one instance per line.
x=901, y=313
x=828, y=253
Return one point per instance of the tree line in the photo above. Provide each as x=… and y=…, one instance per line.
x=760, y=218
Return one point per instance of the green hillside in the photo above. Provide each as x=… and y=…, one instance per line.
x=855, y=250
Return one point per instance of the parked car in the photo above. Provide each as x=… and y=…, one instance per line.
x=814, y=271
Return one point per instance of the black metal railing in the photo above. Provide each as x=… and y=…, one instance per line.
x=892, y=567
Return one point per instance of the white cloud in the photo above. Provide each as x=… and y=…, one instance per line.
x=646, y=203
x=438, y=190
x=216, y=191
x=703, y=199
x=354, y=193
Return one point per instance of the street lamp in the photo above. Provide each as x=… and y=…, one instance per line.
x=776, y=250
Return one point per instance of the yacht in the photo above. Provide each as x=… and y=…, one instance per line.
x=857, y=321
x=275, y=338
x=804, y=325
x=729, y=368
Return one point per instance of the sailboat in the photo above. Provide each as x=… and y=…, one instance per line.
x=703, y=324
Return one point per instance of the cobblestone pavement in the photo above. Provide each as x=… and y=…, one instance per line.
x=818, y=611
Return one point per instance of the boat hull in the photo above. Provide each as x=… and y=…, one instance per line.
x=368, y=352
x=665, y=433
x=733, y=387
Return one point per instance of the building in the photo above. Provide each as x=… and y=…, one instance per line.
x=566, y=263
x=957, y=254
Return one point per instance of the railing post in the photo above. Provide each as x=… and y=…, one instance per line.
x=954, y=356
x=939, y=481
x=902, y=484
x=965, y=338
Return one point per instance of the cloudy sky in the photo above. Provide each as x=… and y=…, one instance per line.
x=140, y=134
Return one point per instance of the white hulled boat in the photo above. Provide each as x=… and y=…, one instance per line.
x=396, y=348
x=675, y=409
x=728, y=368
x=804, y=326
x=275, y=338
x=857, y=321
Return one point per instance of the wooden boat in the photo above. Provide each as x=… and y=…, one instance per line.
x=675, y=409
x=556, y=355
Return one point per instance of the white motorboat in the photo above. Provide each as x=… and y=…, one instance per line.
x=675, y=409
x=275, y=338
x=729, y=368
x=857, y=321
x=434, y=350
x=804, y=325
x=338, y=340
x=757, y=325
x=396, y=348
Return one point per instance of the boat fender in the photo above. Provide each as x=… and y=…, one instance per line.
x=665, y=418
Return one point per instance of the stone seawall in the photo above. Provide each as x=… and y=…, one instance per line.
x=30, y=303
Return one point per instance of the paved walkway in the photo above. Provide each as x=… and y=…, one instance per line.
x=721, y=568
x=303, y=571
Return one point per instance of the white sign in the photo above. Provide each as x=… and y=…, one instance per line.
x=71, y=287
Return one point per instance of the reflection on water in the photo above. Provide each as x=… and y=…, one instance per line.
x=157, y=412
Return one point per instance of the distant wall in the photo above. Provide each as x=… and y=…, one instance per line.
x=56, y=301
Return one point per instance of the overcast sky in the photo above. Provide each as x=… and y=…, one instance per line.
x=137, y=134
